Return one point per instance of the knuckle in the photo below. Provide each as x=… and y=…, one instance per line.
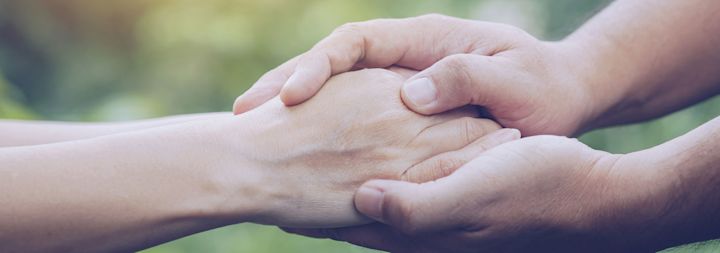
x=350, y=27
x=515, y=32
x=350, y=36
x=446, y=166
x=454, y=77
x=474, y=128
x=467, y=129
x=458, y=65
x=457, y=60
x=508, y=27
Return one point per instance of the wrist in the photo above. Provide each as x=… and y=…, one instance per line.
x=250, y=178
x=625, y=203
x=211, y=173
x=584, y=75
x=240, y=184
x=605, y=72
x=265, y=175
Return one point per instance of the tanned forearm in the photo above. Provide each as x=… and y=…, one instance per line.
x=697, y=176
x=23, y=133
x=648, y=58
x=686, y=175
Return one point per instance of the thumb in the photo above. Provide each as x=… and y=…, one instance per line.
x=458, y=80
x=411, y=208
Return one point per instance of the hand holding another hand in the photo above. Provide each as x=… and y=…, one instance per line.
x=537, y=194
x=546, y=193
x=356, y=129
x=535, y=86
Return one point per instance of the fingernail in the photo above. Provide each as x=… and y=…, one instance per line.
x=289, y=91
x=420, y=91
x=243, y=103
x=236, y=106
x=292, y=79
x=368, y=200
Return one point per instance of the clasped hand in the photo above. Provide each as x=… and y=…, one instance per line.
x=543, y=193
x=318, y=153
x=538, y=194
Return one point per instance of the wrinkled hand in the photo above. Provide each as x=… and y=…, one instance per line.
x=538, y=194
x=525, y=83
x=315, y=155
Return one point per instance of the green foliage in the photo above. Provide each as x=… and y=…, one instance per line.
x=8, y=107
x=109, y=60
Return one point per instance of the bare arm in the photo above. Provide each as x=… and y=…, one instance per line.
x=690, y=170
x=23, y=133
x=634, y=61
x=294, y=167
x=551, y=194
x=649, y=58
x=118, y=193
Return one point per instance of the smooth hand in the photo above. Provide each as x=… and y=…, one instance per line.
x=525, y=83
x=538, y=194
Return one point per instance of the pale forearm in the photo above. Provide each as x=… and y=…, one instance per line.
x=288, y=166
x=23, y=133
x=648, y=58
x=117, y=193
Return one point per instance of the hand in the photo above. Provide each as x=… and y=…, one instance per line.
x=535, y=86
x=312, y=157
x=537, y=194
x=296, y=166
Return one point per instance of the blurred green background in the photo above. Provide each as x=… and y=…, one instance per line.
x=87, y=60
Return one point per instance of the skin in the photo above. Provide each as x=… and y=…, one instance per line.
x=295, y=167
x=611, y=71
x=15, y=133
x=634, y=61
x=551, y=194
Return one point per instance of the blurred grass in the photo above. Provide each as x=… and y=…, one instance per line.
x=252, y=238
x=114, y=60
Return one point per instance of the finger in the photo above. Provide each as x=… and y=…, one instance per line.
x=414, y=43
x=446, y=163
x=463, y=79
x=413, y=209
x=374, y=236
x=421, y=209
x=308, y=77
x=453, y=134
x=339, y=52
x=267, y=87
